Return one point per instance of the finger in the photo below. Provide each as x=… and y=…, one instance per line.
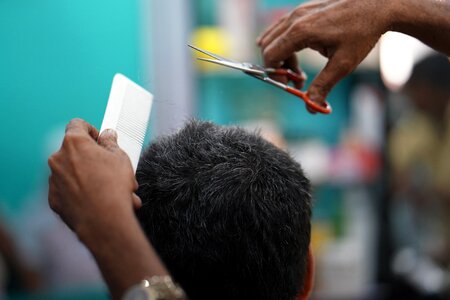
x=81, y=127
x=275, y=33
x=283, y=47
x=137, y=202
x=338, y=66
x=280, y=78
x=52, y=161
x=310, y=109
x=135, y=184
x=108, y=140
x=269, y=30
x=292, y=64
x=56, y=163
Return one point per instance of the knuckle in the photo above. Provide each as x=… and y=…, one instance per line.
x=267, y=54
x=53, y=203
x=76, y=121
x=297, y=25
x=345, y=65
x=301, y=30
x=72, y=139
x=51, y=161
x=297, y=35
x=67, y=140
x=286, y=39
x=297, y=13
x=284, y=18
x=72, y=123
x=269, y=59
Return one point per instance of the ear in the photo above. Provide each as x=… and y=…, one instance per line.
x=309, y=278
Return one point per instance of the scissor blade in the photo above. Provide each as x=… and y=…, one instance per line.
x=218, y=57
x=233, y=65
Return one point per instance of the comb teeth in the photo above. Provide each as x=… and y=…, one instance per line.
x=128, y=112
x=131, y=126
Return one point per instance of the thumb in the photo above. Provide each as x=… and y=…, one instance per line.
x=339, y=65
x=108, y=139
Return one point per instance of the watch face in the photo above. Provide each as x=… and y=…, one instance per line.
x=137, y=293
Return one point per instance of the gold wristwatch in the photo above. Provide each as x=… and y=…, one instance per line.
x=155, y=288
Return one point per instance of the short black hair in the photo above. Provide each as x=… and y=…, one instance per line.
x=433, y=69
x=228, y=212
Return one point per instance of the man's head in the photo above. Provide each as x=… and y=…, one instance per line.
x=228, y=212
x=428, y=86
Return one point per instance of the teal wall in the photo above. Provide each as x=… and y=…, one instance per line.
x=276, y=4
x=57, y=60
x=233, y=98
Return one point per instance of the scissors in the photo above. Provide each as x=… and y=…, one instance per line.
x=262, y=73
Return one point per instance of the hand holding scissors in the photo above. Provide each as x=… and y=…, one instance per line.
x=263, y=74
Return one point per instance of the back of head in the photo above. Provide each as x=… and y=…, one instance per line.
x=429, y=84
x=228, y=213
x=433, y=69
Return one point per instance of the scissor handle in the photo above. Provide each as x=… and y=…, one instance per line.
x=324, y=108
x=291, y=75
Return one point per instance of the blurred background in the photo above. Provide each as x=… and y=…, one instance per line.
x=380, y=163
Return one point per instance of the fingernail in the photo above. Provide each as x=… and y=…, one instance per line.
x=304, y=76
x=110, y=131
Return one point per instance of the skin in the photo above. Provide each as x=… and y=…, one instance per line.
x=345, y=31
x=92, y=187
x=308, y=285
x=28, y=278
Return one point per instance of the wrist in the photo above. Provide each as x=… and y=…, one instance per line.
x=122, y=252
x=399, y=12
x=394, y=14
x=411, y=16
x=100, y=228
x=156, y=288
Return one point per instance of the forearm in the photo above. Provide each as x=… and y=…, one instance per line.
x=9, y=252
x=426, y=20
x=28, y=278
x=92, y=188
x=123, y=254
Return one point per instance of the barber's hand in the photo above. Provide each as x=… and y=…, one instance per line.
x=344, y=31
x=92, y=184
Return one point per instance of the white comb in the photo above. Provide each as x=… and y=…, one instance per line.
x=128, y=112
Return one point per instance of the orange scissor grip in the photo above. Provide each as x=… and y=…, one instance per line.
x=324, y=108
x=291, y=75
x=262, y=73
